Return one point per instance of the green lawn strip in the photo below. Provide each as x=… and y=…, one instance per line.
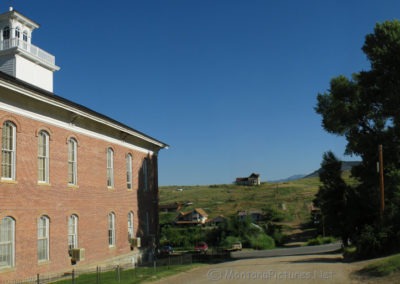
x=138, y=275
x=382, y=267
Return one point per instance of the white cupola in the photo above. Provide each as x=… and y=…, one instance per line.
x=19, y=57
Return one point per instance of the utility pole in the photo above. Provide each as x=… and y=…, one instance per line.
x=381, y=182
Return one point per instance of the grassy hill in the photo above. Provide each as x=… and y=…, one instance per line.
x=293, y=198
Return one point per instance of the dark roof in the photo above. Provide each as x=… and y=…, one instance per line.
x=198, y=210
x=53, y=96
x=253, y=175
x=174, y=205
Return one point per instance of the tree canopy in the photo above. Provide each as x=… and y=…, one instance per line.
x=365, y=109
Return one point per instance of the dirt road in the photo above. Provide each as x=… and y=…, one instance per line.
x=322, y=268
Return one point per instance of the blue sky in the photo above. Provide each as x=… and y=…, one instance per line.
x=230, y=85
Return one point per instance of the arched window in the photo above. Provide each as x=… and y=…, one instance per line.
x=129, y=171
x=130, y=226
x=110, y=167
x=8, y=151
x=43, y=157
x=7, y=242
x=43, y=238
x=25, y=36
x=72, y=162
x=6, y=33
x=111, y=229
x=72, y=232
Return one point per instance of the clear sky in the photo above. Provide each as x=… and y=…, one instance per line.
x=230, y=85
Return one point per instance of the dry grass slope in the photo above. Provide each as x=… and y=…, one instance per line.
x=293, y=199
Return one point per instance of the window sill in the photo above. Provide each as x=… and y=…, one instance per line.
x=7, y=269
x=43, y=183
x=73, y=186
x=10, y=181
x=44, y=262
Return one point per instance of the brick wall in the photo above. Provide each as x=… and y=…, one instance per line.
x=25, y=200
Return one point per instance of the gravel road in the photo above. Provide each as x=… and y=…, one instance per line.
x=321, y=268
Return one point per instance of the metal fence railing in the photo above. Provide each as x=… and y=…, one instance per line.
x=132, y=272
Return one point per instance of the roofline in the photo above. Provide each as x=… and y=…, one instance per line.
x=15, y=14
x=51, y=98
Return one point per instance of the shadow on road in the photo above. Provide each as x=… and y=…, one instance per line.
x=333, y=259
x=333, y=248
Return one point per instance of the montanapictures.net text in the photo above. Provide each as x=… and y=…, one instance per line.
x=230, y=274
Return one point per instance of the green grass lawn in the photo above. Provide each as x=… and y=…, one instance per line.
x=382, y=267
x=129, y=276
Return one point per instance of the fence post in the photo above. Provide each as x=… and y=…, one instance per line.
x=73, y=276
x=118, y=273
x=38, y=279
x=97, y=275
x=135, y=268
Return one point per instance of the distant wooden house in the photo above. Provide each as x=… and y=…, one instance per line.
x=171, y=207
x=253, y=179
x=195, y=217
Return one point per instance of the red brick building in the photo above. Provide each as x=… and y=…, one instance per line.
x=76, y=186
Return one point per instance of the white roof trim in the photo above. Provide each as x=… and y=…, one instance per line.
x=71, y=127
x=54, y=102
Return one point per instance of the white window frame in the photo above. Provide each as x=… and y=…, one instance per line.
x=110, y=168
x=130, y=226
x=43, y=229
x=43, y=157
x=73, y=227
x=25, y=36
x=17, y=32
x=111, y=229
x=72, y=162
x=7, y=243
x=9, y=132
x=129, y=180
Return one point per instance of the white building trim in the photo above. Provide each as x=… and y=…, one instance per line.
x=79, y=112
x=70, y=127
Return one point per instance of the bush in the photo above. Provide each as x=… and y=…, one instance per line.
x=372, y=242
x=320, y=241
x=181, y=237
x=349, y=253
x=279, y=237
x=229, y=241
x=261, y=241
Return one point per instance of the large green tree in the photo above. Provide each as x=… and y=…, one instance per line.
x=334, y=199
x=365, y=109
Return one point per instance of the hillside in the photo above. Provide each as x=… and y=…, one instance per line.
x=293, y=199
x=346, y=167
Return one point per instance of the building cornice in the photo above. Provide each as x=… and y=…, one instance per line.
x=16, y=15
